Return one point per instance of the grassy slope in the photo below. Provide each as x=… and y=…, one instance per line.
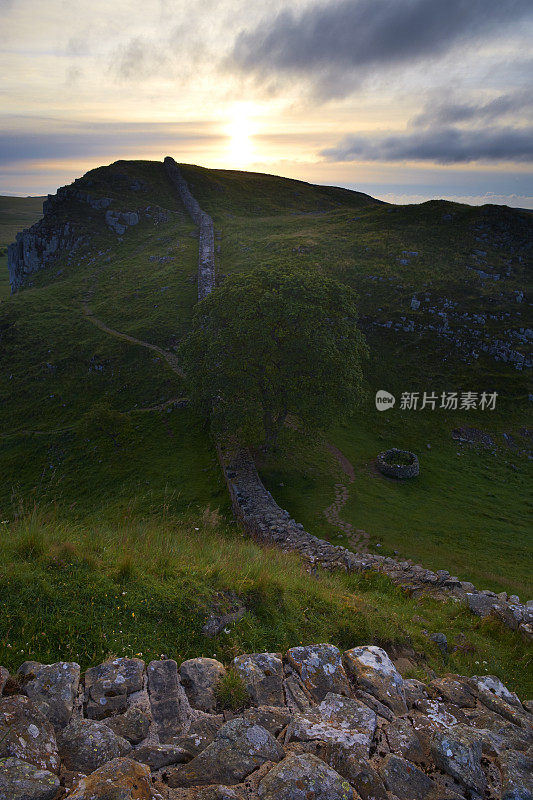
x=122, y=512
x=468, y=510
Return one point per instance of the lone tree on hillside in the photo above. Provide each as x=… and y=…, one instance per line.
x=272, y=342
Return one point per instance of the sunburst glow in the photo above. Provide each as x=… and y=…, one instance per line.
x=241, y=130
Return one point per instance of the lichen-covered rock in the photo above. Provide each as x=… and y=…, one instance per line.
x=304, y=777
x=160, y=755
x=338, y=720
x=199, y=678
x=26, y=734
x=119, y=779
x=262, y=674
x=133, y=725
x=108, y=685
x=20, y=780
x=414, y=690
x=169, y=705
x=371, y=670
x=54, y=689
x=454, y=690
x=517, y=775
x=404, y=741
x=404, y=780
x=320, y=668
x=272, y=718
x=458, y=752
x=239, y=748
x=201, y=733
x=491, y=686
x=86, y=744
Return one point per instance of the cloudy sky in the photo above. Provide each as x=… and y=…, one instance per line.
x=404, y=99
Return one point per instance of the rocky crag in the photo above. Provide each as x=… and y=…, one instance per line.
x=313, y=724
x=266, y=522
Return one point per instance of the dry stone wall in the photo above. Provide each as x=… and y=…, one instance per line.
x=316, y=723
x=265, y=521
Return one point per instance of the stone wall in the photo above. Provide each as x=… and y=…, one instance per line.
x=269, y=524
x=314, y=723
x=386, y=465
x=206, y=243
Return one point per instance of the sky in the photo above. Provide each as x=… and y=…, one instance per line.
x=404, y=99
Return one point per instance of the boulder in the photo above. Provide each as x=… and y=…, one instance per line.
x=200, y=677
x=133, y=725
x=453, y=689
x=20, y=780
x=160, y=755
x=371, y=670
x=304, y=777
x=119, y=779
x=403, y=741
x=458, y=752
x=239, y=748
x=262, y=674
x=108, y=685
x=26, y=734
x=54, y=690
x=320, y=668
x=491, y=685
x=404, y=780
x=169, y=705
x=201, y=733
x=338, y=720
x=87, y=744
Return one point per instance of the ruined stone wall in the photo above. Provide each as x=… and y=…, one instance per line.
x=206, y=233
x=266, y=522
x=313, y=722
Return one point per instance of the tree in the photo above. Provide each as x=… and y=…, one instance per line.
x=272, y=342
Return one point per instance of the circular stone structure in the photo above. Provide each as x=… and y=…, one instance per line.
x=399, y=464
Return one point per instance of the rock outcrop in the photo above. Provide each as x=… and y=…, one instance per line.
x=361, y=731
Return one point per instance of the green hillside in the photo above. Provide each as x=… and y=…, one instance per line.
x=107, y=475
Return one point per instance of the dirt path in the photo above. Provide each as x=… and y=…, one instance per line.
x=357, y=537
x=169, y=357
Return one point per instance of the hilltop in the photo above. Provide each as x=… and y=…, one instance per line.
x=97, y=432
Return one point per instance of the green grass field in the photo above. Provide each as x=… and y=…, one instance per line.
x=101, y=495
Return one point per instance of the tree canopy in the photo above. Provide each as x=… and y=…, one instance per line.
x=270, y=343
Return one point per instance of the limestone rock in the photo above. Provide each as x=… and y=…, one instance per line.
x=108, y=685
x=371, y=670
x=133, y=725
x=320, y=668
x=169, y=705
x=26, y=734
x=238, y=749
x=262, y=674
x=404, y=780
x=491, y=685
x=199, y=678
x=517, y=775
x=304, y=777
x=86, y=744
x=337, y=720
x=119, y=779
x=458, y=751
x=20, y=780
x=54, y=690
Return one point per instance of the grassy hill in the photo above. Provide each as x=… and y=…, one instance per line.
x=107, y=475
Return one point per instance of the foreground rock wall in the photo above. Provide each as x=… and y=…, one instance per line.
x=265, y=521
x=316, y=723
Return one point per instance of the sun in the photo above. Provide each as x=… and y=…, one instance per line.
x=241, y=129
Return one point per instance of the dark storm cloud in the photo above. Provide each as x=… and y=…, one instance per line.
x=342, y=40
x=441, y=145
x=515, y=103
x=113, y=140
